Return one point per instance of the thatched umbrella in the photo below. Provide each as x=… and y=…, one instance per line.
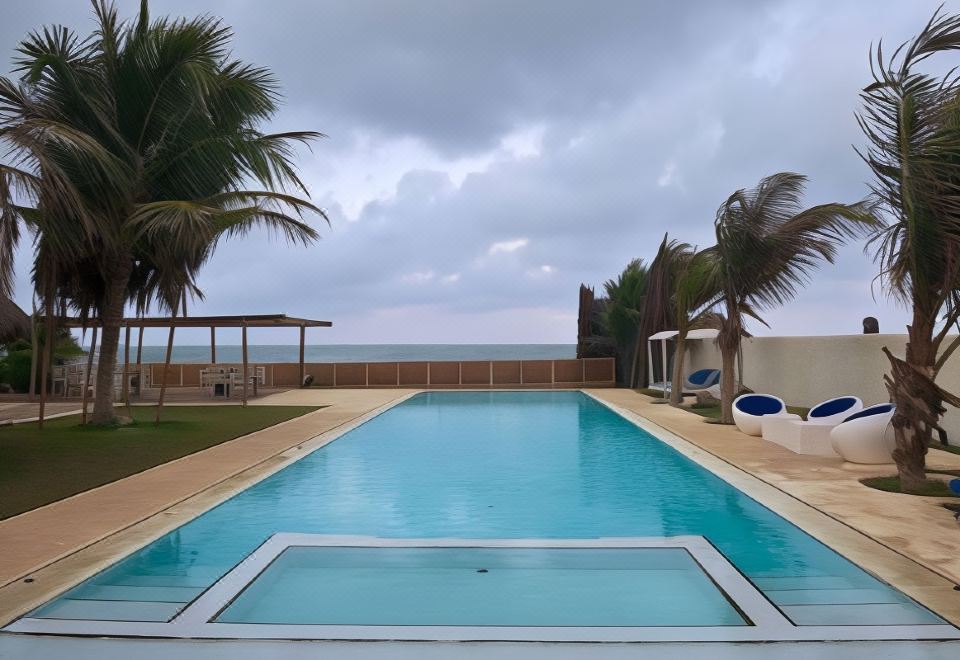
x=14, y=322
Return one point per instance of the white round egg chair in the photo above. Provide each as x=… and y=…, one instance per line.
x=834, y=411
x=750, y=409
x=866, y=437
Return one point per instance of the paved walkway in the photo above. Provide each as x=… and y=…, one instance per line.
x=919, y=532
x=33, y=540
x=15, y=411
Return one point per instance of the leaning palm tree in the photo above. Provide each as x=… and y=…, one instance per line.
x=694, y=297
x=912, y=123
x=131, y=154
x=767, y=246
x=658, y=310
x=621, y=316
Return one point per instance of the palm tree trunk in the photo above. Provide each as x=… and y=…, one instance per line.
x=728, y=383
x=676, y=389
x=111, y=318
x=633, y=361
x=913, y=435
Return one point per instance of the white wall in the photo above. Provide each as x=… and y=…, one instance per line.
x=806, y=370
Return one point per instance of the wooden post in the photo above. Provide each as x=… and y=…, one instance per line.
x=139, y=345
x=663, y=351
x=126, y=369
x=166, y=362
x=650, y=380
x=139, y=367
x=86, y=376
x=246, y=377
x=49, y=332
x=213, y=345
x=34, y=352
x=303, y=339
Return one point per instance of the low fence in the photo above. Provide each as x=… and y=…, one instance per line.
x=467, y=374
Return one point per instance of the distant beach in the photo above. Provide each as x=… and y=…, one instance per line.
x=361, y=352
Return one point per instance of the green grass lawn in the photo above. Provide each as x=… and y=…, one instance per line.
x=39, y=467
x=932, y=488
x=953, y=449
x=713, y=411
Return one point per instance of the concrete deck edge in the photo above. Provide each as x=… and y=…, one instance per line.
x=79, y=563
x=797, y=511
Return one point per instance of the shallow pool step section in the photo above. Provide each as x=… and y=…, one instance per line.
x=843, y=600
x=483, y=587
x=159, y=599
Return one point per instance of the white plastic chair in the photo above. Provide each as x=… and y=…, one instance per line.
x=866, y=437
x=750, y=409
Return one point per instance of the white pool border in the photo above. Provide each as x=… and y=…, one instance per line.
x=771, y=626
x=766, y=622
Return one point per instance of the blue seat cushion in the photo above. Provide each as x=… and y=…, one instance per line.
x=872, y=410
x=701, y=377
x=833, y=407
x=759, y=404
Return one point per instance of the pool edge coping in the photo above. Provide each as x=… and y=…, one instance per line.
x=117, y=544
x=754, y=487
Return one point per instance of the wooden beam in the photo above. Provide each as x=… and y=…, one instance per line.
x=86, y=375
x=34, y=352
x=246, y=377
x=50, y=331
x=213, y=344
x=663, y=367
x=166, y=364
x=45, y=371
x=139, y=367
x=650, y=380
x=125, y=388
x=303, y=339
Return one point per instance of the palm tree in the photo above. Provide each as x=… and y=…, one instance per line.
x=693, y=300
x=912, y=123
x=767, y=246
x=621, y=316
x=138, y=150
x=658, y=311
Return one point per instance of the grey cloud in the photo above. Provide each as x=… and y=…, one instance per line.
x=716, y=95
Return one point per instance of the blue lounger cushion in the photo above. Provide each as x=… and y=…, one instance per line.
x=704, y=377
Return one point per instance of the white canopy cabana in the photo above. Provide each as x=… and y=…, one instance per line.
x=663, y=337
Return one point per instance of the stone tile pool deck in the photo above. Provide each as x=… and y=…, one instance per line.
x=910, y=542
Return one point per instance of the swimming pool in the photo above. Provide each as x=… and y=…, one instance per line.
x=488, y=465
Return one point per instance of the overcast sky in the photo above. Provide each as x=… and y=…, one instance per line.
x=486, y=157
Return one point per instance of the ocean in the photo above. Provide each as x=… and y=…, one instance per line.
x=359, y=352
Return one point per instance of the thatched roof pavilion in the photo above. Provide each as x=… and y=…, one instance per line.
x=14, y=322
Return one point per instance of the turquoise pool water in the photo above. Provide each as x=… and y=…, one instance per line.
x=494, y=465
x=483, y=587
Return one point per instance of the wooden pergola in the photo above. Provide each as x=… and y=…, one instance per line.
x=172, y=323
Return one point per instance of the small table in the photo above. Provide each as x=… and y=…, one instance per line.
x=798, y=436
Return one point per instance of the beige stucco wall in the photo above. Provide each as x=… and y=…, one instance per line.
x=806, y=370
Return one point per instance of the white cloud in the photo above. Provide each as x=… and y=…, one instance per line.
x=421, y=277
x=508, y=246
x=524, y=143
x=452, y=278
x=669, y=174
x=545, y=270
